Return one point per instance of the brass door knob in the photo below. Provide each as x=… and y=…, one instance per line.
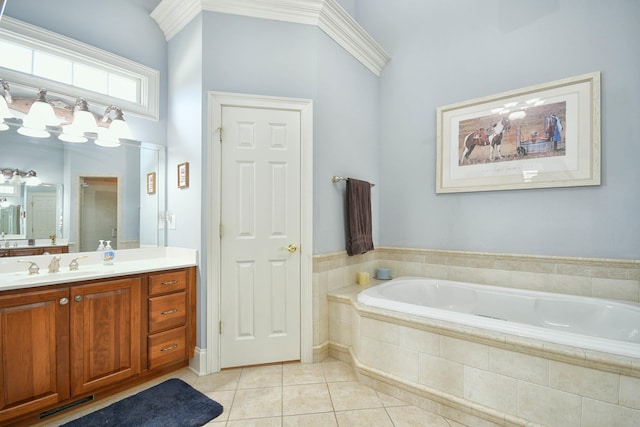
x=292, y=248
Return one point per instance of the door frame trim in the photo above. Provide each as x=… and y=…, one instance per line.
x=216, y=101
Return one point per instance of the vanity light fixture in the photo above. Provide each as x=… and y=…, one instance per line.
x=32, y=178
x=83, y=122
x=40, y=116
x=118, y=129
x=16, y=176
x=5, y=100
x=76, y=125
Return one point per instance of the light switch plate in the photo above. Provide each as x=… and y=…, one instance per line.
x=171, y=221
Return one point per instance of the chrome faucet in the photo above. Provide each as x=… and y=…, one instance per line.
x=73, y=265
x=33, y=267
x=54, y=265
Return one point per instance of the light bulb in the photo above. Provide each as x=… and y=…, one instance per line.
x=40, y=116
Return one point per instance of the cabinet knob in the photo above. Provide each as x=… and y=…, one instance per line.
x=77, y=298
x=64, y=301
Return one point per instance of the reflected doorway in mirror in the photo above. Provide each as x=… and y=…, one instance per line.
x=99, y=211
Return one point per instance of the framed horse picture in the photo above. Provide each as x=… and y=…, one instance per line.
x=536, y=137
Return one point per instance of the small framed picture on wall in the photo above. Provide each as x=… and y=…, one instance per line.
x=183, y=175
x=151, y=183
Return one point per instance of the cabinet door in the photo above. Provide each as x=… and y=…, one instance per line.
x=105, y=333
x=34, y=351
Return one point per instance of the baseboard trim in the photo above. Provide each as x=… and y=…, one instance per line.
x=198, y=364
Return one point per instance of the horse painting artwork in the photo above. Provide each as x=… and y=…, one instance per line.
x=494, y=135
x=477, y=137
x=539, y=131
x=491, y=136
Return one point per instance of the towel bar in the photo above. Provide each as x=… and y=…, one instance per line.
x=335, y=179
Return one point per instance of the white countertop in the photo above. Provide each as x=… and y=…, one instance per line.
x=15, y=275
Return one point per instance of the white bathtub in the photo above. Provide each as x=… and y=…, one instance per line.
x=589, y=323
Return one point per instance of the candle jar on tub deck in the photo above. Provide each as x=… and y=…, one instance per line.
x=364, y=278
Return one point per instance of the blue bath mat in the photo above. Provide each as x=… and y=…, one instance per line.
x=172, y=403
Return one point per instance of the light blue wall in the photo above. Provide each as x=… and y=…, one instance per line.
x=443, y=52
x=186, y=144
x=345, y=141
x=184, y=135
x=263, y=57
x=226, y=53
x=447, y=52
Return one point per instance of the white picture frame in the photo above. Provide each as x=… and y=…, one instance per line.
x=549, y=137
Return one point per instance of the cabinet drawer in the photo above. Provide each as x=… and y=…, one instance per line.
x=167, y=311
x=167, y=282
x=167, y=347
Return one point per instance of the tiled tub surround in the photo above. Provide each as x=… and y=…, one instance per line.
x=471, y=375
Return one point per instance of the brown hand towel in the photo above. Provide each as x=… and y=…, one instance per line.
x=359, y=236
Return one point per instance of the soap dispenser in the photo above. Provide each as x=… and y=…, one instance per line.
x=100, y=246
x=109, y=254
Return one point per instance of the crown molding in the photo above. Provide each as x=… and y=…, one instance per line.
x=328, y=15
x=173, y=15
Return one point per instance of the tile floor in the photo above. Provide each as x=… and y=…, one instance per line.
x=325, y=394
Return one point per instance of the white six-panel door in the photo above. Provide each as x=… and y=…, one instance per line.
x=42, y=218
x=260, y=234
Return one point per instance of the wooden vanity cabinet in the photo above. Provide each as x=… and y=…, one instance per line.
x=61, y=343
x=34, y=351
x=105, y=333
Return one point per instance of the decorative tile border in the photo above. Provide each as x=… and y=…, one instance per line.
x=603, y=278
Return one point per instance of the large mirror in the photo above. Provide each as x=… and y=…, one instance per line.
x=86, y=193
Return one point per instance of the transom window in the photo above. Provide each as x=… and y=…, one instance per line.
x=34, y=57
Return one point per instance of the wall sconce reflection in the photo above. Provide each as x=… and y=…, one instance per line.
x=16, y=176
